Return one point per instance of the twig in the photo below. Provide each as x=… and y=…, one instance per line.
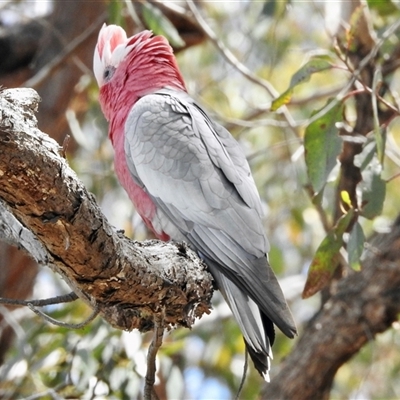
x=227, y=54
x=64, y=148
x=232, y=60
x=355, y=74
x=50, y=67
x=10, y=320
x=321, y=94
x=393, y=177
x=254, y=124
x=268, y=149
x=53, y=321
x=52, y=392
x=149, y=393
x=66, y=298
x=318, y=206
x=245, y=368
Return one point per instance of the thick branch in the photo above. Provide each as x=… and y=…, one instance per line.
x=128, y=282
x=363, y=305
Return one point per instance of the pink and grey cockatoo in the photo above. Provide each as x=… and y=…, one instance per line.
x=189, y=179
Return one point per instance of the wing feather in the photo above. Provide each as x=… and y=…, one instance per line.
x=199, y=179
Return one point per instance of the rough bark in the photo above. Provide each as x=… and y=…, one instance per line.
x=363, y=43
x=127, y=281
x=356, y=307
x=59, y=46
x=30, y=50
x=363, y=305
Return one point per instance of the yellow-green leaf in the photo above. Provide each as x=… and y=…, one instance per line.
x=325, y=259
x=352, y=33
x=314, y=65
x=345, y=197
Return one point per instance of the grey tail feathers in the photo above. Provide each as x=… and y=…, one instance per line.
x=257, y=329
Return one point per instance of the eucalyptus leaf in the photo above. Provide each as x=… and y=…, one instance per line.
x=115, y=12
x=322, y=146
x=325, y=259
x=373, y=190
x=269, y=8
x=355, y=245
x=365, y=157
x=352, y=33
x=317, y=64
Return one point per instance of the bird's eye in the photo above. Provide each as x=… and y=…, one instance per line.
x=108, y=73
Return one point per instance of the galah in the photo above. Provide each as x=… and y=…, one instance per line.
x=189, y=179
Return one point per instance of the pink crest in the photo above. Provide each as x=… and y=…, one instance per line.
x=112, y=34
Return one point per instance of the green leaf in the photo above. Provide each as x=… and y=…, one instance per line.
x=352, y=33
x=325, y=260
x=355, y=245
x=343, y=223
x=269, y=8
x=385, y=8
x=318, y=197
x=316, y=64
x=161, y=25
x=373, y=190
x=115, y=12
x=322, y=145
x=365, y=157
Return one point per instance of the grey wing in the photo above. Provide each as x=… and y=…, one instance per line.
x=201, y=183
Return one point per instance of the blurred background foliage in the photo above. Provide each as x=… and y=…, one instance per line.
x=273, y=40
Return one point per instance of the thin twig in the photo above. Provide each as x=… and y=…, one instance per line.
x=50, y=67
x=149, y=393
x=232, y=60
x=66, y=298
x=320, y=210
x=245, y=368
x=271, y=148
x=52, y=392
x=321, y=94
x=355, y=74
x=53, y=321
x=227, y=54
x=10, y=320
x=254, y=124
x=393, y=177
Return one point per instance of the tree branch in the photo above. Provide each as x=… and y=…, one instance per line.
x=65, y=298
x=363, y=305
x=49, y=212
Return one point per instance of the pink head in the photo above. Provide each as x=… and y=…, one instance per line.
x=128, y=68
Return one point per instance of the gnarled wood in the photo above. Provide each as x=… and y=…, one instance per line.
x=363, y=304
x=127, y=281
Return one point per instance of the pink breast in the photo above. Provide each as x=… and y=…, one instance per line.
x=140, y=199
